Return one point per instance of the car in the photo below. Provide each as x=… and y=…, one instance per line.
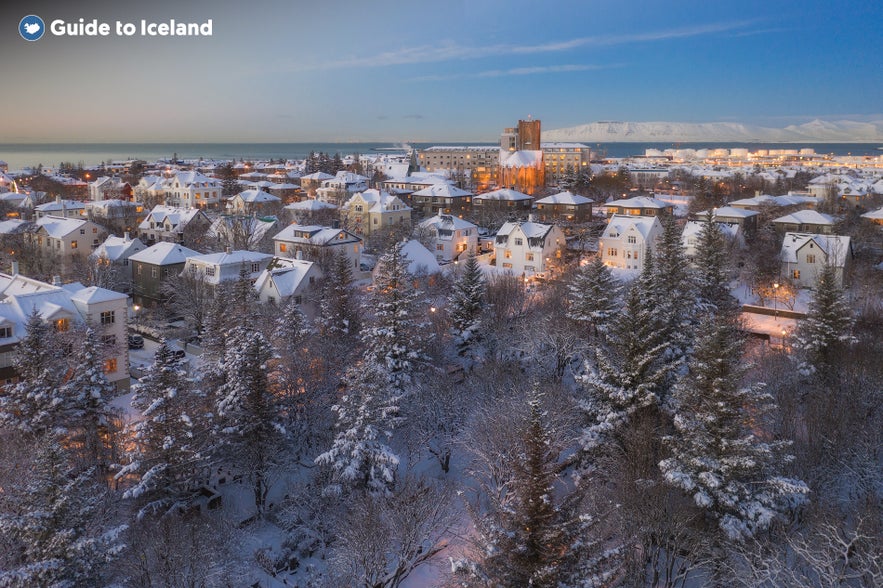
x=136, y=342
x=179, y=353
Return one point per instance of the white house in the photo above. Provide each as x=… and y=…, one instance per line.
x=690, y=235
x=253, y=201
x=528, y=248
x=66, y=238
x=627, y=240
x=62, y=208
x=173, y=225
x=284, y=278
x=191, y=189
x=804, y=221
x=452, y=237
x=117, y=250
x=216, y=268
x=314, y=243
x=341, y=187
x=110, y=188
x=804, y=255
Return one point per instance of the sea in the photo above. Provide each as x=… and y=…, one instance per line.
x=20, y=155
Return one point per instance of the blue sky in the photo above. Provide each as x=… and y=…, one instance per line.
x=435, y=71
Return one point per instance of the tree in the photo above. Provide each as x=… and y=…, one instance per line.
x=88, y=394
x=393, y=341
x=592, y=295
x=711, y=267
x=338, y=311
x=249, y=425
x=55, y=525
x=718, y=455
x=166, y=453
x=35, y=403
x=466, y=302
x=825, y=332
x=673, y=284
x=367, y=413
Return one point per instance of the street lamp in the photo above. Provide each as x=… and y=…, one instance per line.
x=776, y=298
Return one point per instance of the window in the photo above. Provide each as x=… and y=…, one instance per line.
x=110, y=365
x=62, y=325
x=611, y=252
x=519, y=242
x=529, y=257
x=210, y=270
x=810, y=258
x=5, y=332
x=154, y=272
x=95, y=230
x=108, y=318
x=255, y=267
x=439, y=247
x=632, y=239
x=109, y=340
x=507, y=254
x=73, y=244
x=298, y=299
x=795, y=274
x=283, y=247
x=82, y=231
x=139, y=270
x=507, y=265
x=312, y=279
x=271, y=300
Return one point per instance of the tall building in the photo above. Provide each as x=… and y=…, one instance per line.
x=524, y=137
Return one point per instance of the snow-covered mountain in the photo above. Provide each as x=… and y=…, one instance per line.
x=816, y=131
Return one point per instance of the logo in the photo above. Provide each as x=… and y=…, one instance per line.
x=31, y=28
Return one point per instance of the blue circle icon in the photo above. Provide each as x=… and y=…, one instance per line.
x=31, y=28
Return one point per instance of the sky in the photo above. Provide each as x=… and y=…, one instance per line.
x=451, y=70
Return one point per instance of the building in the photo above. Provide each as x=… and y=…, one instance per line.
x=311, y=182
x=564, y=206
x=451, y=238
x=639, y=206
x=216, y=268
x=523, y=171
x=692, y=229
x=285, y=278
x=66, y=239
x=804, y=221
x=341, y=187
x=628, y=240
x=153, y=267
x=173, y=225
x=528, y=248
x=875, y=216
x=562, y=158
x=503, y=200
x=116, y=251
x=110, y=188
x=746, y=219
x=477, y=166
x=804, y=255
x=63, y=306
x=61, y=208
x=524, y=137
x=191, y=189
x=254, y=202
x=442, y=199
x=316, y=243
x=372, y=210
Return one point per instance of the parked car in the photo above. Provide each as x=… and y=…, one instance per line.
x=136, y=342
x=179, y=353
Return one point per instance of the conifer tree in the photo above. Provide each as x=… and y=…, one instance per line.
x=711, y=264
x=54, y=525
x=367, y=413
x=35, y=403
x=825, y=331
x=339, y=314
x=166, y=455
x=676, y=301
x=249, y=423
x=593, y=295
x=466, y=302
x=393, y=340
x=718, y=454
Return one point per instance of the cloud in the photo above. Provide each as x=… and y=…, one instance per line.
x=451, y=51
x=516, y=71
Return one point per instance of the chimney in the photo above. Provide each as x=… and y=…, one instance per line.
x=14, y=268
x=58, y=199
x=335, y=224
x=228, y=250
x=756, y=193
x=56, y=281
x=531, y=218
x=299, y=254
x=127, y=237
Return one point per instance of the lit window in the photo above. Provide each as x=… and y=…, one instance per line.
x=283, y=248
x=795, y=274
x=611, y=252
x=528, y=257
x=73, y=244
x=62, y=325
x=507, y=254
x=110, y=365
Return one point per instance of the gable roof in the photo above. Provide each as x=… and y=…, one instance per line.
x=164, y=254
x=442, y=190
x=835, y=247
x=116, y=248
x=59, y=227
x=314, y=235
x=177, y=217
x=256, y=196
x=728, y=211
x=620, y=223
x=640, y=202
x=531, y=230
x=565, y=197
x=806, y=217
x=503, y=194
x=447, y=221
x=285, y=274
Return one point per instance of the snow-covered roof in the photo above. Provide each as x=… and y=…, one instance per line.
x=693, y=228
x=116, y=248
x=188, y=178
x=620, y=223
x=874, y=214
x=531, y=230
x=565, y=198
x=256, y=197
x=559, y=145
x=13, y=226
x=640, y=202
x=836, y=247
x=314, y=235
x=286, y=275
x=503, y=194
x=310, y=204
x=95, y=295
x=447, y=221
x=177, y=217
x=57, y=205
x=729, y=212
x=380, y=201
x=232, y=258
x=442, y=190
x=420, y=259
x=523, y=158
x=806, y=217
x=164, y=254
x=58, y=227
x=317, y=176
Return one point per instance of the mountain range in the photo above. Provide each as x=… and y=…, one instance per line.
x=816, y=131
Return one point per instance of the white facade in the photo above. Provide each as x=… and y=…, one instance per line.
x=312, y=243
x=452, y=237
x=804, y=255
x=216, y=268
x=627, y=240
x=284, y=278
x=528, y=248
x=192, y=189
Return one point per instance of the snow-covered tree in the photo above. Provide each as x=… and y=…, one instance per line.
x=718, y=452
x=711, y=267
x=466, y=302
x=593, y=295
x=54, y=525
x=826, y=330
x=367, y=413
x=166, y=454
x=676, y=296
x=250, y=426
x=291, y=328
x=338, y=310
x=631, y=366
x=35, y=403
x=393, y=341
x=87, y=394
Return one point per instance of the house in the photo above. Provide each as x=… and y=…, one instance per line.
x=443, y=198
x=61, y=208
x=373, y=210
x=639, y=206
x=564, y=206
x=421, y=261
x=173, y=225
x=804, y=221
x=627, y=240
x=317, y=243
x=746, y=219
x=764, y=201
x=502, y=200
x=61, y=307
x=152, y=267
x=110, y=188
x=311, y=211
x=117, y=251
x=692, y=229
x=216, y=268
x=451, y=237
x=252, y=233
x=528, y=248
x=254, y=202
x=191, y=189
x=66, y=239
x=124, y=214
x=875, y=216
x=804, y=255
x=284, y=278
x=311, y=182
x=150, y=188
x=341, y=187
